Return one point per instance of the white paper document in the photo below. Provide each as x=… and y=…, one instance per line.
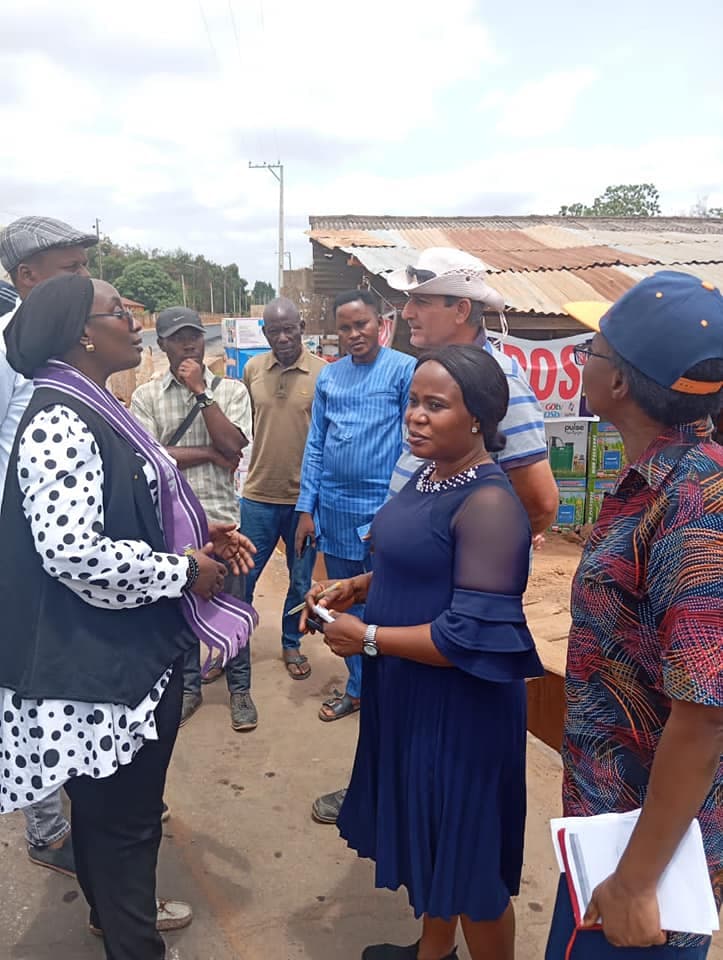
x=590, y=848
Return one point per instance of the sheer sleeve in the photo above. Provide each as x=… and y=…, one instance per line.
x=484, y=631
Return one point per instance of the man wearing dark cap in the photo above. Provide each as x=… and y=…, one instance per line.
x=644, y=679
x=204, y=422
x=33, y=249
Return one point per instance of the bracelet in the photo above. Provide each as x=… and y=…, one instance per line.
x=193, y=572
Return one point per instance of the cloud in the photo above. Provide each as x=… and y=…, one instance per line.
x=542, y=106
x=146, y=115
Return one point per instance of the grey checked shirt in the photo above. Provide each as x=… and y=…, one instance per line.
x=162, y=405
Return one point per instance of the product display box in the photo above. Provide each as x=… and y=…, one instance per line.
x=607, y=455
x=571, y=507
x=567, y=448
x=595, y=495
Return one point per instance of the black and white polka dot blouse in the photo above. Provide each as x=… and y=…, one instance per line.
x=43, y=743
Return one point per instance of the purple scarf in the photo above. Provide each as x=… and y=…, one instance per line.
x=223, y=623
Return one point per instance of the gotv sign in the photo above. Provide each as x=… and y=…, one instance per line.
x=550, y=368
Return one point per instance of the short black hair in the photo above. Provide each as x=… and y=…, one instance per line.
x=483, y=385
x=476, y=312
x=671, y=407
x=349, y=296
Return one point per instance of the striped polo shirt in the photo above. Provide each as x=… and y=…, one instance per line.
x=355, y=438
x=523, y=425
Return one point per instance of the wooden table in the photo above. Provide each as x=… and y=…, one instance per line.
x=549, y=623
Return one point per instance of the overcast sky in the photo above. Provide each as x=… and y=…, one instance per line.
x=146, y=113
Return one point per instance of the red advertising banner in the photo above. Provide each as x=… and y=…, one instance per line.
x=550, y=367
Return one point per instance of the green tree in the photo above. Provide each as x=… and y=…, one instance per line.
x=147, y=282
x=262, y=292
x=623, y=200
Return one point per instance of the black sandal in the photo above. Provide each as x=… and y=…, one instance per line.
x=340, y=705
x=298, y=660
x=390, y=951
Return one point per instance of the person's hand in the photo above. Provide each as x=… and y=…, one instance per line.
x=190, y=374
x=304, y=528
x=232, y=547
x=345, y=636
x=629, y=917
x=342, y=598
x=211, y=573
x=538, y=541
x=224, y=462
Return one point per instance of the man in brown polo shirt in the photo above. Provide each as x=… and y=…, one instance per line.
x=281, y=386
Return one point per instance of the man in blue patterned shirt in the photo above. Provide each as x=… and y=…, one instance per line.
x=354, y=441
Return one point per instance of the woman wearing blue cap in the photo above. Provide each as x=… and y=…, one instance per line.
x=644, y=684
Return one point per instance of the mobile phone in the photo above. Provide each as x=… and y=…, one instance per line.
x=315, y=624
x=305, y=544
x=322, y=613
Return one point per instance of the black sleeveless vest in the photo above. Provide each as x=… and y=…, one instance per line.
x=54, y=645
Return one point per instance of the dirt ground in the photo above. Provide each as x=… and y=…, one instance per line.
x=265, y=881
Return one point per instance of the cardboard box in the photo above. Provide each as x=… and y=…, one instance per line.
x=607, y=453
x=567, y=448
x=595, y=495
x=571, y=507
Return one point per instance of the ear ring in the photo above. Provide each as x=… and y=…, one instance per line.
x=475, y=429
x=90, y=347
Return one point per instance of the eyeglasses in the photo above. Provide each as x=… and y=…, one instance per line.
x=421, y=276
x=117, y=315
x=583, y=353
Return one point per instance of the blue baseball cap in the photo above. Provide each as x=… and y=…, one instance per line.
x=663, y=326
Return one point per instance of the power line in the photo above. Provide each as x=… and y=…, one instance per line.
x=208, y=35
x=235, y=33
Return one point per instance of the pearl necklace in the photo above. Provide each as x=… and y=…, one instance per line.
x=426, y=485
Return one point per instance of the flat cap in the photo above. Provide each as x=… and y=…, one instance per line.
x=27, y=236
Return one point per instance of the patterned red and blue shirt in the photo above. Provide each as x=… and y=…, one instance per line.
x=647, y=628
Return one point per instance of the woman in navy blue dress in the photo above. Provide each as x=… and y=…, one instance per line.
x=437, y=794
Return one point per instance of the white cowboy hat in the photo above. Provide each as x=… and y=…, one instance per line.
x=444, y=271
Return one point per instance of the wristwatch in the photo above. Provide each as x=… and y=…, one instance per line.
x=203, y=400
x=369, y=646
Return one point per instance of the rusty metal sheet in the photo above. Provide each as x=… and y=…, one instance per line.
x=348, y=238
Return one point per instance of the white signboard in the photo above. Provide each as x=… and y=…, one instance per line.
x=555, y=378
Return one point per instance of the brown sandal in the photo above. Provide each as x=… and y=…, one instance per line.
x=297, y=660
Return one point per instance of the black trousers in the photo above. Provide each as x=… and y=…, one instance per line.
x=116, y=829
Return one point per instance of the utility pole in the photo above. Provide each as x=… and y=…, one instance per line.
x=224, y=292
x=210, y=287
x=183, y=290
x=273, y=167
x=100, y=249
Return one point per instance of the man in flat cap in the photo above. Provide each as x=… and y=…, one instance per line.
x=33, y=249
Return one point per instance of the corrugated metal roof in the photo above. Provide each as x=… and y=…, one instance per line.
x=687, y=225
x=537, y=263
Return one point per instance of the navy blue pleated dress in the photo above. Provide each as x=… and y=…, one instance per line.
x=437, y=794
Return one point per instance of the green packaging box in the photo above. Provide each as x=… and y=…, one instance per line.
x=567, y=448
x=606, y=453
x=571, y=506
x=595, y=495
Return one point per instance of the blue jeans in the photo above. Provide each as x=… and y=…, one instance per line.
x=44, y=820
x=338, y=568
x=265, y=524
x=238, y=670
x=592, y=945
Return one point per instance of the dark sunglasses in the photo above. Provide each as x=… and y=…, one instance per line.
x=421, y=276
